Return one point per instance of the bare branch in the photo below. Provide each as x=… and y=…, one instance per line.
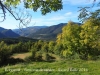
x=3, y=11
x=24, y=18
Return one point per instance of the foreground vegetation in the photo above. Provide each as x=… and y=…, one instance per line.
x=75, y=52
x=64, y=67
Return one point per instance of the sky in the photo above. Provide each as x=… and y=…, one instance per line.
x=69, y=12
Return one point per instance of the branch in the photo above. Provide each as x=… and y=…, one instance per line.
x=3, y=10
x=23, y=18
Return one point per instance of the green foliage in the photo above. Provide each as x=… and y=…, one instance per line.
x=69, y=38
x=51, y=46
x=86, y=13
x=17, y=40
x=58, y=48
x=90, y=36
x=45, y=47
x=21, y=47
x=46, y=57
x=83, y=40
x=45, y=6
x=59, y=68
x=5, y=52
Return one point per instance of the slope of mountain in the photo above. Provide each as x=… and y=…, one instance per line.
x=10, y=33
x=2, y=35
x=1, y=29
x=5, y=33
x=27, y=31
x=48, y=33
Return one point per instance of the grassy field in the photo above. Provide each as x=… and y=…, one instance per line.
x=64, y=67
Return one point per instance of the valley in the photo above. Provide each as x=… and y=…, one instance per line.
x=58, y=50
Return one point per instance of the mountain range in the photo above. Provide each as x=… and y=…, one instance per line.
x=35, y=32
x=28, y=30
x=48, y=33
x=7, y=33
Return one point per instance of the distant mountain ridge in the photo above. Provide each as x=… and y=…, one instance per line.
x=27, y=31
x=1, y=29
x=7, y=33
x=42, y=32
x=48, y=33
x=2, y=35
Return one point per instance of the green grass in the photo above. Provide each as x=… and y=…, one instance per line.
x=64, y=67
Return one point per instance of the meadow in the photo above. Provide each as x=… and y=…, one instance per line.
x=57, y=67
x=75, y=52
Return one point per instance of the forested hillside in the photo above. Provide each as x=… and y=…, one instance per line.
x=28, y=30
x=48, y=33
x=7, y=33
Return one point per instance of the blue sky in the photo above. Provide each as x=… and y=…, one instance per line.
x=69, y=12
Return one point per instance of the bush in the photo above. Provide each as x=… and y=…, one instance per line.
x=5, y=53
x=46, y=57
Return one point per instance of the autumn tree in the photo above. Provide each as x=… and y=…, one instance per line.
x=83, y=40
x=69, y=38
x=90, y=39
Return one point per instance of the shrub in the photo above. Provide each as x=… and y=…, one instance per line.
x=5, y=53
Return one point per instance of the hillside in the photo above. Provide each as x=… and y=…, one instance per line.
x=2, y=35
x=7, y=33
x=48, y=33
x=27, y=31
x=10, y=33
x=1, y=29
x=16, y=40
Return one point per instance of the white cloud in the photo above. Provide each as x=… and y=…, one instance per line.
x=53, y=20
x=60, y=17
x=68, y=13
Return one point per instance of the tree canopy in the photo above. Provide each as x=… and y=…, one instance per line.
x=83, y=40
x=45, y=6
x=86, y=12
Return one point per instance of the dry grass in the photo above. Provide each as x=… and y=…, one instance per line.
x=21, y=55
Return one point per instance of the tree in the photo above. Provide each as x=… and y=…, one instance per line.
x=83, y=40
x=86, y=12
x=90, y=39
x=45, y=6
x=5, y=53
x=45, y=47
x=69, y=38
x=51, y=46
